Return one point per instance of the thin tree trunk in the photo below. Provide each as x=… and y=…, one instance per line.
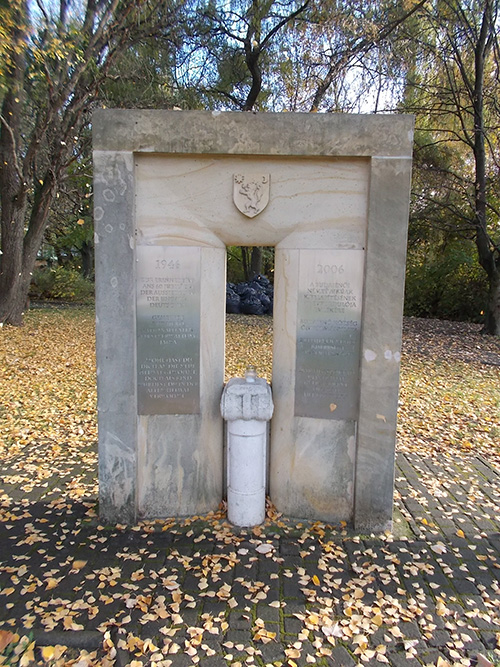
x=244, y=259
x=485, y=252
x=12, y=299
x=87, y=252
x=256, y=262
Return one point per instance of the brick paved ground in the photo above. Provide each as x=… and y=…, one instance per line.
x=289, y=594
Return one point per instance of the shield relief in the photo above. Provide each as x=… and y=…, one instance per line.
x=251, y=193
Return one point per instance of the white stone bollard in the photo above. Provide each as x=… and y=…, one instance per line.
x=247, y=406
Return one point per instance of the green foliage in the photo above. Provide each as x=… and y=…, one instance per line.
x=453, y=90
x=445, y=281
x=62, y=283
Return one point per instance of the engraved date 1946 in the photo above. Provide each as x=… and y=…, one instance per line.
x=167, y=264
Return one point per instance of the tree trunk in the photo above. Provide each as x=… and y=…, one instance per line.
x=13, y=192
x=13, y=294
x=19, y=249
x=486, y=253
x=38, y=158
x=87, y=252
x=492, y=321
x=256, y=262
x=14, y=202
x=244, y=260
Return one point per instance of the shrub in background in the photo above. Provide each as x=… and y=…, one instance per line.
x=65, y=284
x=445, y=281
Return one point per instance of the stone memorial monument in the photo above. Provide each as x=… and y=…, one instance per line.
x=330, y=192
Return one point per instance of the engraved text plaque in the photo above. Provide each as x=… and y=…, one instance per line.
x=168, y=330
x=328, y=334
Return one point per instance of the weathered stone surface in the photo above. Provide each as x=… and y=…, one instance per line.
x=115, y=333
x=233, y=133
x=334, y=183
x=381, y=342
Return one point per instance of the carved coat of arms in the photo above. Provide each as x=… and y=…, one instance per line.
x=251, y=193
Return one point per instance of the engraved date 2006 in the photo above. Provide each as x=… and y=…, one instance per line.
x=330, y=269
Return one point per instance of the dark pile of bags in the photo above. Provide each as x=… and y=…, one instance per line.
x=252, y=298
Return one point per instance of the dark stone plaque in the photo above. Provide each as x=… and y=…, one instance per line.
x=329, y=333
x=168, y=330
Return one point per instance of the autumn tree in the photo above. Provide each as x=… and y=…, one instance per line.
x=453, y=89
x=55, y=61
x=350, y=56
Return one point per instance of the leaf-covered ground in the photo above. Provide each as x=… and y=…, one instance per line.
x=450, y=389
x=197, y=592
x=449, y=398
x=48, y=396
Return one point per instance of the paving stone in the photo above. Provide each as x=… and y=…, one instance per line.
x=239, y=636
x=489, y=639
x=390, y=588
x=211, y=661
x=448, y=528
x=464, y=586
x=475, y=643
x=287, y=548
x=267, y=613
x=341, y=658
x=410, y=630
x=213, y=607
x=191, y=616
x=439, y=638
x=399, y=659
x=438, y=578
x=272, y=651
x=179, y=660
x=353, y=549
x=307, y=652
x=430, y=656
x=65, y=545
x=268, y=566
x=292, y=625
x=494, y=540
x=292, y=588
x=476, y=602
x=482, y=623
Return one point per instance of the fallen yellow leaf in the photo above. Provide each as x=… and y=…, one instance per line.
x=78, y=564
x=48, y=652
x=6, y=637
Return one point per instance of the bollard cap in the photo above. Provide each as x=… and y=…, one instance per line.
x=243, y=399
